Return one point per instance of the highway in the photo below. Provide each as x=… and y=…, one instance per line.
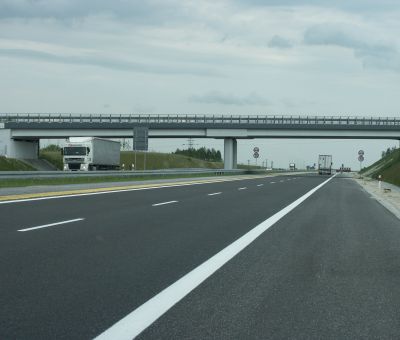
x=284, y=257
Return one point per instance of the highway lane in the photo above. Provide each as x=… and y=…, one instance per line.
x=321, y=271
x=328, y=270
x=76, y=280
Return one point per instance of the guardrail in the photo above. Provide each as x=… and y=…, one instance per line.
x=147, y=173
x=198, y=119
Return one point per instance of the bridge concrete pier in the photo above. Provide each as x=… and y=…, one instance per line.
x=230, y=153
x=17, y=148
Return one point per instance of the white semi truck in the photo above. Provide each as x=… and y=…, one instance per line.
x=91, y=153
x=325, y=164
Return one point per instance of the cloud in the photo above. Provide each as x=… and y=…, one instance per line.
x=108, y=62
x=216, y=97
x=142, y=11
x=280, y=42
x=347, y=5
x=157, y=11
x=373, y=54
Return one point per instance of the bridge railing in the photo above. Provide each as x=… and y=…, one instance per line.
x=198, y=119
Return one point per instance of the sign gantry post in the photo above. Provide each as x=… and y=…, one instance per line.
x=141, y=142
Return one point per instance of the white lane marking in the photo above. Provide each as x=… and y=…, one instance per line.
x=260, y=185
x=214, y=193
x=127, y=190
x=272, y=182
x=163, y=203
x=52, y=224
x=244, y=188
x=281, y=180
x=143, y=316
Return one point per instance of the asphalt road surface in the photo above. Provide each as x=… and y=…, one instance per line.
x=326, y=266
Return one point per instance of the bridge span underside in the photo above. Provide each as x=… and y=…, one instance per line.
x=19, y=135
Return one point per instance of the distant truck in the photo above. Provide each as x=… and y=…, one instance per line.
x=325, y=164
x=292, y=166
x=89, y=154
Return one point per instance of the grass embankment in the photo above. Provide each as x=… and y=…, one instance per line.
x=154, y=160
x=53, y=157
x=388, y=167
x=10, y=164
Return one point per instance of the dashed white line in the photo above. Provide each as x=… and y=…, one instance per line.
x=272, y=182
x=214, y=193
x=51, y=224
x=260, y=185
x=244, y=188
x=142, y=317
x=281, y=181
x=164, y=203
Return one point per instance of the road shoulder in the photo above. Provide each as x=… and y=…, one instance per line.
x=386, y=194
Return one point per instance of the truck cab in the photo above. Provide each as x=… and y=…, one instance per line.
x=76, y=157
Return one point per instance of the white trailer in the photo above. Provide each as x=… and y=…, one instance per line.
x=325, y=164
x=87, y=154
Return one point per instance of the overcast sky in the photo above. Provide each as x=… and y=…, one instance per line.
x=300, y=57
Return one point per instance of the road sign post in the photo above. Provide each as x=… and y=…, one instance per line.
x=360, y=159
x=256, y=155
x=141, y=142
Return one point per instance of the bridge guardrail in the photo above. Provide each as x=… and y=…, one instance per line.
x=198, y=119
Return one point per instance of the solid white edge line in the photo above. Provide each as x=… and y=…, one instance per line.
x=51, y=224
x=142, y=317
x=163, y=203
x=126, y=190
x=214, y=193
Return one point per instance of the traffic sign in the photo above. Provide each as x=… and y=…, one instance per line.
x=361, y=152
x=361, y=158
x=256, y=155
x=140, y=138
x=256, y=149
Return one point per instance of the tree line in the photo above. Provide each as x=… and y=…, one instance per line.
x=211, y=155
x=388, y=151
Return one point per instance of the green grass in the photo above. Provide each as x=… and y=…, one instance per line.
x=154, y=160
x=24, y=182
x=53, y=157
x=388, y=167
x=10, y=164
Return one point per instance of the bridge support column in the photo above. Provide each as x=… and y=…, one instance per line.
x=230, y=153
x=17, y=149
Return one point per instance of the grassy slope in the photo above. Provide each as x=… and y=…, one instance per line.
x=388, y=167
x=10, y=164
x=154, y=160
x=54, y=157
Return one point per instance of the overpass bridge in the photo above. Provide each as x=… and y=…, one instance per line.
x=20, y=133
